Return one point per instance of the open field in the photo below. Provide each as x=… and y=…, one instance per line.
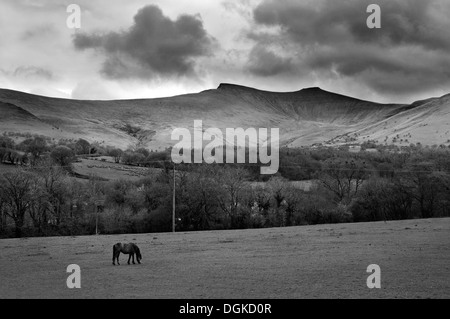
x=323, y=261
x=305, y=185
x=112, y=171
x=106, y=170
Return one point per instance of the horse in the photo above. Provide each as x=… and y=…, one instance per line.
x=129, y=249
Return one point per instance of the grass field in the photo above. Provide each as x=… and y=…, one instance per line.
x=323, y=261
x=112, y=171
x=105, y=170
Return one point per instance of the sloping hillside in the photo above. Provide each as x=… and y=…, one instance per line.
x=304, y=117
x=427, y=122
x=16, y=119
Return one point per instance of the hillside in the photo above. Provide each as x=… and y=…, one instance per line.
x=425, y=121
x=304, y=117
x=14, y=118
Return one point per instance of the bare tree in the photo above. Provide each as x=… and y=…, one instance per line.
x=231, y=182
x=426, y=185
x=18, y=195
x=2, y=213
x=343, y=178
x=54, y=192
x=201, y=198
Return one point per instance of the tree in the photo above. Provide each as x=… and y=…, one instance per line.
x=294, y=203
x=132, y=158
x=231, y=183
x=116, y=153
x=200, y=199
x=2, y=211
x=343, y=177
x=277, y=187
x=117, y=192
x=82, y=147
x=18, y=194
x=262, y=199
x=426, y=185
x=38, y=207
x=53, y=184
x=63, y=156
x=36, y=147
x=143, y=151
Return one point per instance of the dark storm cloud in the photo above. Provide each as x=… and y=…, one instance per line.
x=263, y=62
x=397, y=71
x=153, y=46
x=331, y=21
x=410, y=52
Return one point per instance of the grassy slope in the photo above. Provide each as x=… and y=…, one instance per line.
x=428, y=122
x=304, y=117
x=323, y=261
x=16, y=119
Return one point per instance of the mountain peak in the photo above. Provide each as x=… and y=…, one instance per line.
x=231, y=86
x=228, y=86
x=313, y=88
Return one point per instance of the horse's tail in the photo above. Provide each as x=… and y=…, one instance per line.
x=115, y=248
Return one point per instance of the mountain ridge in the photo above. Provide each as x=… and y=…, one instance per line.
x=305, y=117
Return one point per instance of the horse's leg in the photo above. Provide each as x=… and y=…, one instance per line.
x=118, y=254
x=129, y=257
x=132, y=255
x=114, y=256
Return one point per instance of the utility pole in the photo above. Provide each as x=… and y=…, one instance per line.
x=95, y=209
x=96, y=218
x=173, y=211
x=96, y=201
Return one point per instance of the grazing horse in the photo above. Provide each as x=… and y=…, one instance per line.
x=129, y=249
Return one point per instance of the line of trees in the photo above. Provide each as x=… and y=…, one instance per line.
x=39, y=201
x=31, y=150
x=45, y=199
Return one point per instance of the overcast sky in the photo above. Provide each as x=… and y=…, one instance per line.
x=137, y=49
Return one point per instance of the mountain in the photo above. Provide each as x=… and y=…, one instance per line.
x=305, y=117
